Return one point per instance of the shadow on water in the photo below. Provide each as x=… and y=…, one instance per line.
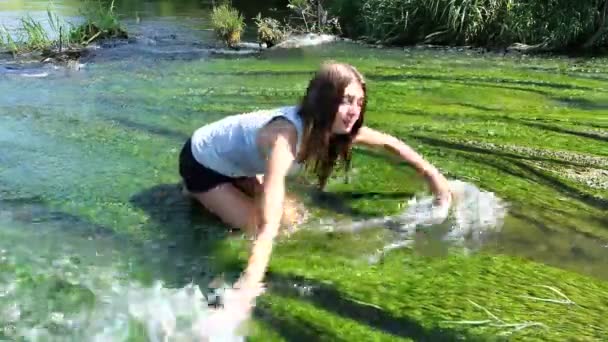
x=508, y=166
x=522, y=170
x=543, y=226
x=328, y=298
x=479, y=107
x=483, y=81
x=341, y=202
x=556, y=128
x=183, y=238
x=33, y=209
x=289, y=328
x=507, y=84
x=474, y=116
x=335, y=203
x=354, y=195
x=191, y=236
x=562, y=187
x=155, y=130
x=459, y=80
x=582, y=103
x=260, y=73
x=476, y=149
x=562, y=130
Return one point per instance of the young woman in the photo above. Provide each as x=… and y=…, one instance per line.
x=226, y=163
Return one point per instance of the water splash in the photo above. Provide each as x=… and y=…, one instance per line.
x=171, y=315
x=76, y=300
x=472, y=215
x=309, y=39
x=120, y=307
x=155, y=313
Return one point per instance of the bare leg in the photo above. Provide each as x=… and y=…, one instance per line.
x=253, y=186
x=237, y=205
x=232, y=206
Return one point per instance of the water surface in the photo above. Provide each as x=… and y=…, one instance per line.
x=89, y=199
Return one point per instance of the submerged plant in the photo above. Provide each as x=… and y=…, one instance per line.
x=228, y=24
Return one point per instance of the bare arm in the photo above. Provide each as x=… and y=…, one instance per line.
x=437, y=182
x=281, y=142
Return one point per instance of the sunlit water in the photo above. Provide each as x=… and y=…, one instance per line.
x=91, y=220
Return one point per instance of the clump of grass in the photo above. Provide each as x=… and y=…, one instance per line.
x=36, y=36
x=270, y=30
x=7, y=42
x=29, y=37
x=228, y=24
x=100, y=23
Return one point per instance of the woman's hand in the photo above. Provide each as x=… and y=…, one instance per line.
x=241, y=299
x=439, y=186
x=236, y=307
x=444, y=198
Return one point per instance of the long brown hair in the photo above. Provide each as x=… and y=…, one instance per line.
x=322, y=150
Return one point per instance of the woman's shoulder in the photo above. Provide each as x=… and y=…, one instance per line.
x=256, y=118
x=280, y=126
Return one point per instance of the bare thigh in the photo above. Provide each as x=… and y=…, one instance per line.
x=231, y=205
x=237, y=204
x=252, y=186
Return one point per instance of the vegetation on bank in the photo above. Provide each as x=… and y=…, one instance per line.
x=305, y=16
x=100, y=22
x=228, y=24
x=544, y=24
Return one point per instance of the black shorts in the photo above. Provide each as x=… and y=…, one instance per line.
x=197, y=177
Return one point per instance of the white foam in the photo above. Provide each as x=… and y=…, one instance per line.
x=472, y=213
x=35, y=75
x=165, y=314
x=309, y=39
x=169, y=315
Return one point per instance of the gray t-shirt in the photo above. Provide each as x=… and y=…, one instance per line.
x=229, y=147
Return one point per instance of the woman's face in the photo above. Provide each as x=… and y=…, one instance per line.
x=349, y=109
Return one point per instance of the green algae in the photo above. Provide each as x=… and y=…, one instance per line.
x=431, y=291
x=508, y=124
